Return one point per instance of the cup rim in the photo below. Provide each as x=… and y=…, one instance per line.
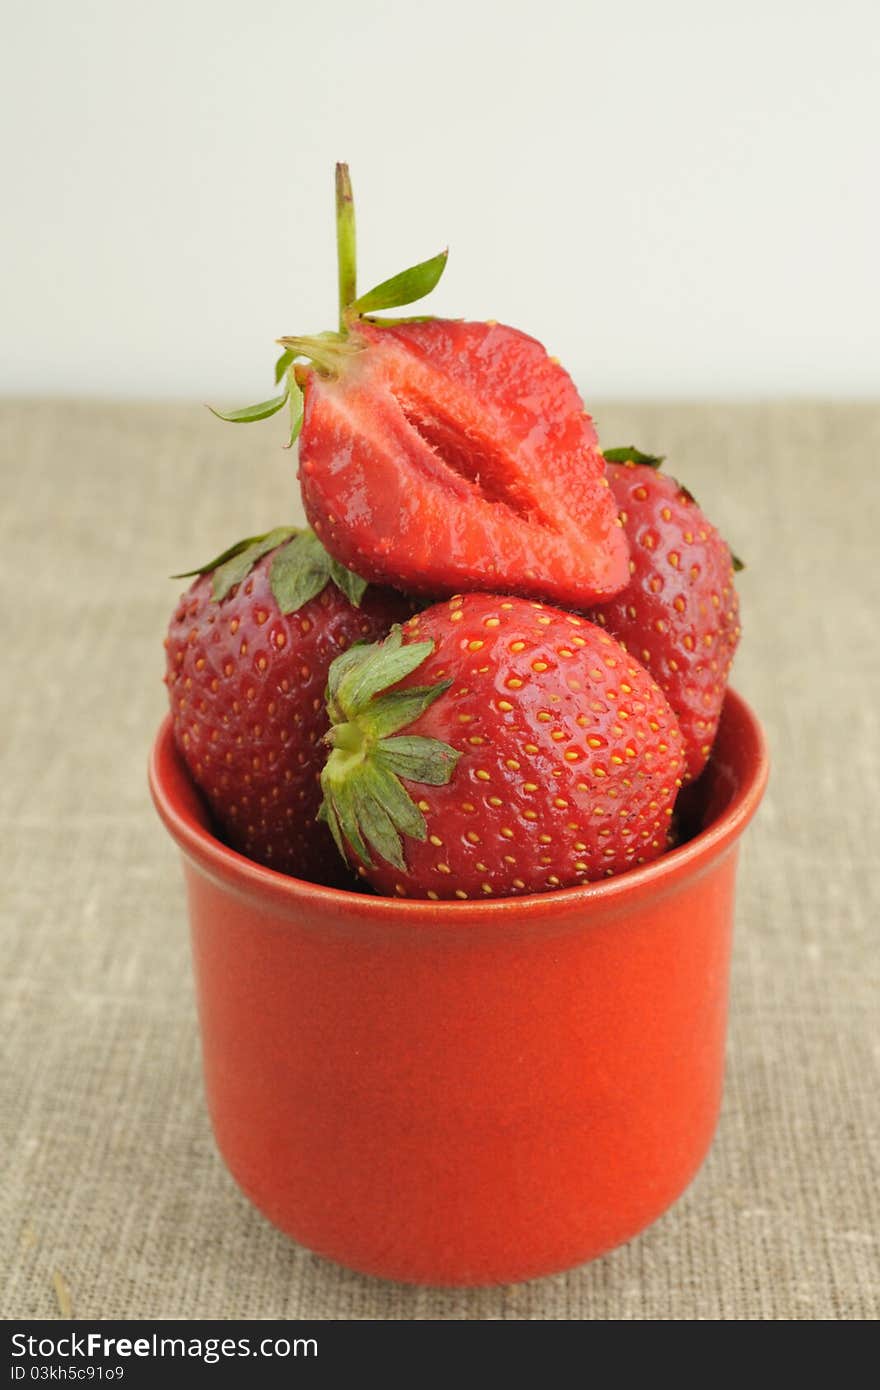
x=176, y=801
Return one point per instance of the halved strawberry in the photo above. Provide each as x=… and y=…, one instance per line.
x=439, y=455
x=448, y=455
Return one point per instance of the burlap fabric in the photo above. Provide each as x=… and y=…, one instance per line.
x=114, y=1201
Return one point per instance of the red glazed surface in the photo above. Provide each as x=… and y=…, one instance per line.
x=467, y=1093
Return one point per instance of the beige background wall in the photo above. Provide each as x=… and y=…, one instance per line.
x=679, y=199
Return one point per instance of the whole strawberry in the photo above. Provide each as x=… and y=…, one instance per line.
x=679, y=614
x=248, y=652
x=438, y=455
x=494, y=746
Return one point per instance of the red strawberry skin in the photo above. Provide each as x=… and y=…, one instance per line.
x=570, y=755
x=453, y=456
x=679, y=614
x=246, y=688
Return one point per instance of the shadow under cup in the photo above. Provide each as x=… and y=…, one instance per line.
x=467, y=1093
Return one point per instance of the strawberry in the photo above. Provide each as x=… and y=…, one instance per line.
x=494, y=746
x=248, y=651
x=447, y=455
x=438, y=454
x=679, y=614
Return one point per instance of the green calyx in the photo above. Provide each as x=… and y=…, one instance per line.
x=366, y=806
x=630, y=454
x=299, y=571
x=328, y=353
x=291, y=395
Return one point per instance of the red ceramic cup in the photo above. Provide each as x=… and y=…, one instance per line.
x=467, y=1093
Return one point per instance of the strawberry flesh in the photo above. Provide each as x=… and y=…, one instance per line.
x=452, y=456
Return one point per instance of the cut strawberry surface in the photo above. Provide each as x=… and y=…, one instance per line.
x=448, y=455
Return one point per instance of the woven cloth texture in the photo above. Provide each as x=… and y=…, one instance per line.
x=115, y=1203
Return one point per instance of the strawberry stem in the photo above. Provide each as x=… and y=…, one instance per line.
x=346, y=252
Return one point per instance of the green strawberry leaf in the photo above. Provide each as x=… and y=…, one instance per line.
x=384, y=788
x=738, y=564
x=373, y=793
x=385, y=664
x=419, y=759
x=327, y=814
x=295, y=429
x=302, y=569
x=355, y=656
x=392, y=323
x=405, y=288
x=220, y=559
x=365, y=803
x=630, y=454
x=345, y=809
x=374, y=810
x=239, y=566
x=284, y=362
x=297, y=405
x=250, y=413
x=348, y=582
x=299, y=572
x=241, y=548
x=398, y=708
